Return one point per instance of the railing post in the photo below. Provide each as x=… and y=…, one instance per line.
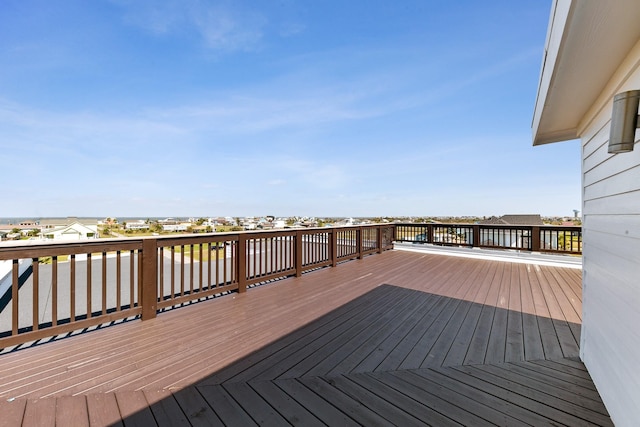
x=476, y=236
x=334, y=247
x=379, y=236
x=429, y=233
x=535, y=239
x=149, y=283
x=298, y=249
x=241, y=262
x=359, y=237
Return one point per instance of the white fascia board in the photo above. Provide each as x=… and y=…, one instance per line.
x=556, y=33
x=587, y=41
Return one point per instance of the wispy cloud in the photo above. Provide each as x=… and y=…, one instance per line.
x=221, y=25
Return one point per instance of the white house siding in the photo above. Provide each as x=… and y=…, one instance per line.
x=610, y=341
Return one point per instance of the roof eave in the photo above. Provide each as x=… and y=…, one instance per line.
x=586, y=43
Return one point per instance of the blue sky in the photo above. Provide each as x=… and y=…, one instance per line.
x=318, y=108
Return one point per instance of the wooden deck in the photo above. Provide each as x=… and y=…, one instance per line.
x=394, y=339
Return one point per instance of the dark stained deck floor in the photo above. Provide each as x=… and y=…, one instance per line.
x=394, y=339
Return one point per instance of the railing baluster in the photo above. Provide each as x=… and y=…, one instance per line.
x=72, y=287
x=35, y=281
x=173, y=272
x=131, y=278
x=54, y=290
x=140, y=264
x=260, y=271
x=224, y=249
x=118, y=281
x=200, y=282
x=233, y=261
x=191, y=261
x=89, y=285
x=161, y=273
x=209, y=253
x=181, y=270
x=104, y=282
x=15, y=286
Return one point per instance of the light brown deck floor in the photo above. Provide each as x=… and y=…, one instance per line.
x=394, y=339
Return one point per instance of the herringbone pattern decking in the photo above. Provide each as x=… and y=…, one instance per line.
x=394, y=339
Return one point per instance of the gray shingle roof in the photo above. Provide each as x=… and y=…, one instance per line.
x=529, y=219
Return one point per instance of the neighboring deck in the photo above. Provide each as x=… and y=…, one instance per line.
x=396, y=338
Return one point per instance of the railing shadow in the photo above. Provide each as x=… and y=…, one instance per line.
x=391, y=356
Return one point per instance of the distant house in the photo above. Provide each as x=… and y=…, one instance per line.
x=347, y=222
x=137, y=225
x=23, y=228
x=50, y=223
x=513, y=238
x=201, y=229
x=513, y=220
x=175, y=226
x=109, y=221
x=308, y=223
x=592, y=54
x=74, y=231
x=263, y=224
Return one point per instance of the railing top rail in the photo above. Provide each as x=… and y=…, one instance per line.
x=505, y=226
x=44, y=248
x=115, y=243
x=560, y=227
x=102, y=289
x=196, y=238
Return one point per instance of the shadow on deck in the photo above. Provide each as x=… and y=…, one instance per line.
x=393, y=356
x=397, y=356
x=390, y=356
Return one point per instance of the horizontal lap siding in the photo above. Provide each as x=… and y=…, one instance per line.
x=610, y=343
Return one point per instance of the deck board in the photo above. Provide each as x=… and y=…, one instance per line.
x=72, y=411
x=398, y=338
x=12, y=412
x=323, y=410
x=479, y=411
x=165, y=408
x=473, y=392
x=417, y=401
x=285, y=405
x=103, y=410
